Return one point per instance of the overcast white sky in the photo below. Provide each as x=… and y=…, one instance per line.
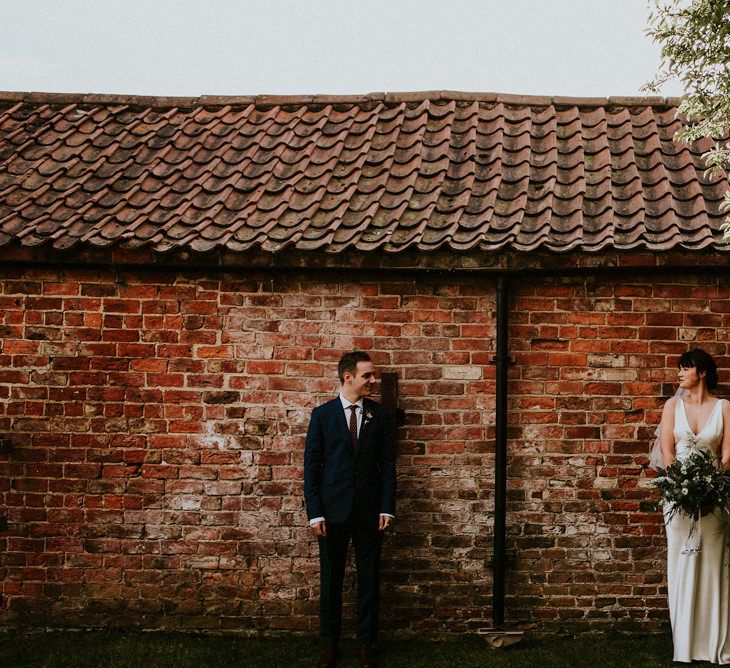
x=245, y=47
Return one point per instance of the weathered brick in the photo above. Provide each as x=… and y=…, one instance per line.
x=161, y=425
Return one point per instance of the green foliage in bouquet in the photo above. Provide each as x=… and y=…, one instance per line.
x=693, y=485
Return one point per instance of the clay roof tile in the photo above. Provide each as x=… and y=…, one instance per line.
x=386, y=172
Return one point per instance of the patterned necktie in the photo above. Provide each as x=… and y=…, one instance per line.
x=353, y=424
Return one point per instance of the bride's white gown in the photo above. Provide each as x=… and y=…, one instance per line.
x=699, y=584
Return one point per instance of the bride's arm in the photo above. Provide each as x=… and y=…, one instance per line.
x=666, y=433
x=725, y=453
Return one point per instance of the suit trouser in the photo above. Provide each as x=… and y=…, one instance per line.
x=367, y=541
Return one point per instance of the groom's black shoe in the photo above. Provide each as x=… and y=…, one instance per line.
x=368, y=656
x=328, y=658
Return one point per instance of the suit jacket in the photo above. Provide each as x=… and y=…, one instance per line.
x=338, y=478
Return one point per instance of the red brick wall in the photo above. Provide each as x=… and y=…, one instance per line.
x=157, y=424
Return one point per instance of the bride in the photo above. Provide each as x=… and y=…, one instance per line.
x=698, y=581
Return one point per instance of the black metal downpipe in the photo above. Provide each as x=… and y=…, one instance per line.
x=500, y=463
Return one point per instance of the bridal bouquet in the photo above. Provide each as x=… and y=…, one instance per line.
x=694, y=486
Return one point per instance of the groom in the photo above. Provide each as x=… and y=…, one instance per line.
x=349, y=488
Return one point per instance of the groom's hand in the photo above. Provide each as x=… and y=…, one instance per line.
x=319, y=529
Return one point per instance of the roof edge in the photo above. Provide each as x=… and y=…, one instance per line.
x=280, y=100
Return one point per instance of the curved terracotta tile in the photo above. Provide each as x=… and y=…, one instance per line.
x=644, y=123
x=684, y=182
x=421, y=198
x=300, y=201
x=570, y=135
x=330, y=203
x=424, y=174
x=368, y=185
x=433, y=162
x=381, y=148
x=464, y=240
x=692, y=209
x=402, y=170
x=595, y=207
x=345, y=174
x=455, y=184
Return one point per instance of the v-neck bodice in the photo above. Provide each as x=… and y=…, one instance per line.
x=708, y=438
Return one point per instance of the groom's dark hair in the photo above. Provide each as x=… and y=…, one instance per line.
x=348, y=363
x=703, y=362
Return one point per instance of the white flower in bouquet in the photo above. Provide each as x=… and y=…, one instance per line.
x=695, y=485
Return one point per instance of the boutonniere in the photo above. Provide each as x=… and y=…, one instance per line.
x=368, y=417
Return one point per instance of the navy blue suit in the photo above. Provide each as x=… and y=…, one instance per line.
x=350, y=488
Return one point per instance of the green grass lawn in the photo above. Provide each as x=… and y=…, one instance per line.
x=117, y=649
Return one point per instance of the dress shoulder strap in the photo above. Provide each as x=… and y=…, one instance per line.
x=680, y=415
x=715, y=429
x=718, y=409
